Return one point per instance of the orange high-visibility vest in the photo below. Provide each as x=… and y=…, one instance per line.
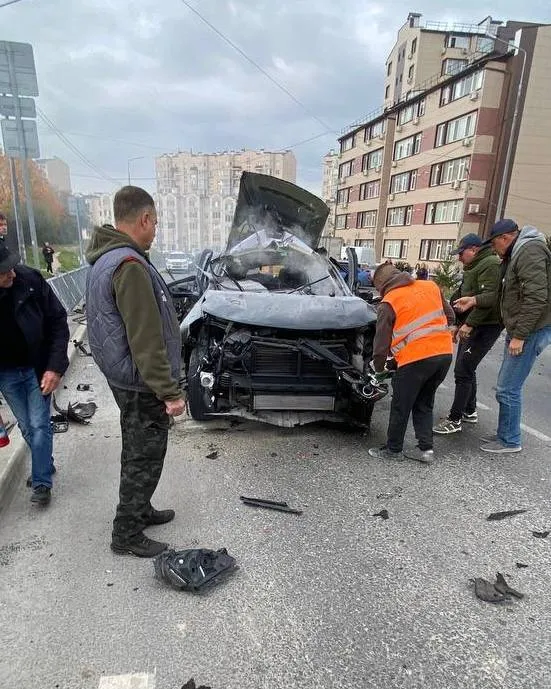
x=421, y=327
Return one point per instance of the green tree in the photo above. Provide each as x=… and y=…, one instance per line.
x=446, y=276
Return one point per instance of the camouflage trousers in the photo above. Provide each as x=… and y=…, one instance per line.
x=144, y=432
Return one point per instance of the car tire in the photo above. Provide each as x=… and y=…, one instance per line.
x=198, y=396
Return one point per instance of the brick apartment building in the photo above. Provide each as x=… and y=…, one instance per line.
x=463, y=137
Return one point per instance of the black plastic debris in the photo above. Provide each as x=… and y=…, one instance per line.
x=81, y=412
x=503, y=587
x=84, y=387
x=540, y=534
x=81, y=348
x=59, y=423
x=190, y=684
x=498, y=516
x=194, y=569
x=521, y=565
x=500, y=592
x=269, y=504
x=212, y=455
x=383, y=514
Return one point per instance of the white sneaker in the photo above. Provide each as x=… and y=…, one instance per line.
x=470, y=418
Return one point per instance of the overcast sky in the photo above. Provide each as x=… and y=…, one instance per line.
x=124, y=78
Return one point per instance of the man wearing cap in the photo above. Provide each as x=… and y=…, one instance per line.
x=412, y=326
x=33, y=357
x=479, y=328
x=524, y=301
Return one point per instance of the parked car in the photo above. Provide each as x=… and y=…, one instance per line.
x=271, y=330
x=179, y=262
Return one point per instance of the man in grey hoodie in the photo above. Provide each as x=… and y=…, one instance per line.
x=525, y=307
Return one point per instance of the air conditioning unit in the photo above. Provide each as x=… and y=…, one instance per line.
x=456, y=184
x=394, y=163
x=415, y=120
x=473, y=209
x=474, y=95
x=467, y=142
x=399, y=128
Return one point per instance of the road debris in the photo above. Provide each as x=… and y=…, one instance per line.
x=269, y=504
x=521, y=565
x=540, y=534
x=383, y=514
x=190, y=684
x=59, y=423
x=500, y=592
x=79, y=344
x=194, y=569
x=394, y=492
x=81, y=412
x=498, y=516
x=84, y=387
x=212, y=455
x=503, y=587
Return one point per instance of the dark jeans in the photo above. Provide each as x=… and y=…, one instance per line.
x=144, y=432
x=413, y=389
x=49, y=267
x=470, y=353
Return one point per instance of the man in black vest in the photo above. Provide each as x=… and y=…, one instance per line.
x=134, y=336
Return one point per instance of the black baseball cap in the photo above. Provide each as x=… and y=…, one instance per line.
x=466, y=242
x=501, y=227
x=8, y=259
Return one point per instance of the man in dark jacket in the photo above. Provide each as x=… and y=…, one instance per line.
x=478, y=331
x=134, y=336
x=525, y=306
x=33, y=357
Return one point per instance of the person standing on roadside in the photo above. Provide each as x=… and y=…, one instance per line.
x=33, y=358
x=48, y=253
x=134, y=337
x=525, y=307
x=479, y=328
x=412, y=327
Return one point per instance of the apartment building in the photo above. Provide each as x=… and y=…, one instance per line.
x=57, y=172
x=329, y=188
x=197, y=193
x=451, y=151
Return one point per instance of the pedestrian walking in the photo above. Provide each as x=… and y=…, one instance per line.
x=134, y=336
x=48, y=253
x=412, y=327
x=33, y=358
x=525, y=306
x=478, y=330
x=422, y=272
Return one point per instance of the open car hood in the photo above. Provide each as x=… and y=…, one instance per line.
x=278, y=207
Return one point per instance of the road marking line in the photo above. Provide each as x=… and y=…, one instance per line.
x=141, y=680
x=483, y=406
x=535, y=433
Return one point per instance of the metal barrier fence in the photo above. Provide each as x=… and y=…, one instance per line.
x=70, y=287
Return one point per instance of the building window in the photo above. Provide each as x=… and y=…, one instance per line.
x=414, y=46
x=403, y=182
x=457, y=41
x=366, y=219
x=377, y=129
x=452, y=66
x=373, y=160
x=484, y=44
x=369, y=243
x=401, y=215
x=345, y=170
x=347, y=144
x=410, y=72
x=387, y=92
x=389, y=69
x=410, y=111
x=463, y=87
x=370, y=190
x=343, y=195
x=435, y=249
x=450, y=171
x=454, y=130
x=395, y=248
x=407, y=147
x=341, y=222
x=443, y=212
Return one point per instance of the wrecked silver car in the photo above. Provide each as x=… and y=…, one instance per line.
x=275, y=333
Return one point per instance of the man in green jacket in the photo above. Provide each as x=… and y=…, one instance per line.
x=525, y=308
x=478, y=331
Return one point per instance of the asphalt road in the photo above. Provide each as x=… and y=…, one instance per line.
x=334, y=598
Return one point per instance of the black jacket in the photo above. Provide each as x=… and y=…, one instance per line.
x=42, y=319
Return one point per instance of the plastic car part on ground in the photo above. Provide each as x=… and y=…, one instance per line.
x=269, y=504
x=81, y=412
x=498, y=516
x=194, y=569
x=500, y=592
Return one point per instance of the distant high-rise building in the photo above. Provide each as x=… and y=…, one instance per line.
x=329, y=187
x=197, y=193
x=100, y=209
x=57, y=172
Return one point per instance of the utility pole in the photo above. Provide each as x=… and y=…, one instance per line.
x=15, y=201
x=128, y=165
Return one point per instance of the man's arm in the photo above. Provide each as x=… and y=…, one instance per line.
x=450, y=313
x=487, y=297
x=532, y=268
x=139, y=311
x=383, y=335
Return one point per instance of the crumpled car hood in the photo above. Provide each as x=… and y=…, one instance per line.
x=292, y=311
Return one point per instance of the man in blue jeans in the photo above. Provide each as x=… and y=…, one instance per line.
x=525, y=307
x=33, y=357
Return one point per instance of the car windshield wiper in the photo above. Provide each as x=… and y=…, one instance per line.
x=309, y=284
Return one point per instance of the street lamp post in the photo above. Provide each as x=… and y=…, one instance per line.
x=128, y=165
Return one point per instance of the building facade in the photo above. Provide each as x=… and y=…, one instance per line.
x=100, y=209
x=446, y=154
x=57, y=172
x=330, y=180
x=197, y=194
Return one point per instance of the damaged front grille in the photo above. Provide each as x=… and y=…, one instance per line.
x=273, y=359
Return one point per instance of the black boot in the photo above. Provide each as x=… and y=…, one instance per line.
x=41, y=495
x=140, y=546
x=159, y=517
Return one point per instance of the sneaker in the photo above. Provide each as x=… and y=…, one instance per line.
x=159, y=517
x=498, y=448
x=384, y=453
x=140, y=546
x=489, y=439
x=30, y=477
x=419, y=455
x=470, y=418
x=41, y=495
x=447, y=426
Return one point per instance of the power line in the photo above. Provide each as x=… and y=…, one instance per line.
x=260, y=69
x=110, y=138
x=10, y=2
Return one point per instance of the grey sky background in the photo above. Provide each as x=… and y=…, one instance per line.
x=125, y=78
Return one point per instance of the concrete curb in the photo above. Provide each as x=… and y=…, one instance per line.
x=12, y=466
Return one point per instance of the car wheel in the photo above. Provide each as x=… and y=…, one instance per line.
x=199, y=402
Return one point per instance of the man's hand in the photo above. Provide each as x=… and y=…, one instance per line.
x=516, y=346
x=464, y=304
x=175, y=407
x=464, y=331
x=50, y=381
